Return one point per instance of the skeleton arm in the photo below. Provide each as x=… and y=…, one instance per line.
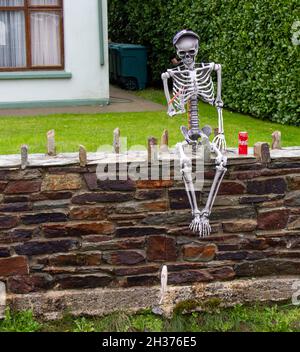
x=171, y=110
x=219, y=102
x=220, y=140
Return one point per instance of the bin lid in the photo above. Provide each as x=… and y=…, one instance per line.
x=127, y=46
x=112, y=45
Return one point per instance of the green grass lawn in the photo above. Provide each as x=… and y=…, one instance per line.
x=257, y=318
x=96, y=130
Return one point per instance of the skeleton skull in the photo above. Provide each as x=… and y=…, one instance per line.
x=187, y=49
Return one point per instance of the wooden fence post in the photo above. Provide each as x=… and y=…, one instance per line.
x=164, y=144
x=276, y=140
x=82, y=156
x=117, y=142
x=152, y=149
x=262, y=152
x=24, y=156
x=51, y=149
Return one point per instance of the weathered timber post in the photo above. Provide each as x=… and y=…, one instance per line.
x=276, y=140
x=51, y=149
x=262, y=152
x=24, y=156
x=164, y=143
x=82, y=156
x=152, y=149
x=117, y=141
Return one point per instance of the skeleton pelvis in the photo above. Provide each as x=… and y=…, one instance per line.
x=192, y=135
x=189, y=135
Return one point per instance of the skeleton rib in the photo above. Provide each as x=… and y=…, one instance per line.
x=203, y=75
x=203, y=79
x=205, y=84
x=181, y=81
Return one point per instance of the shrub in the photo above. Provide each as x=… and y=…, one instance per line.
x=251, y=39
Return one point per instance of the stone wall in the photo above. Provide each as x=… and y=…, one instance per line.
x=61, y=229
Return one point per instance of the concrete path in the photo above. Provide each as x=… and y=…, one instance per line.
x=121, y=101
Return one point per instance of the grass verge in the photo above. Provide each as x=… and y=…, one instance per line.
x=257, y=318
x=96, y=130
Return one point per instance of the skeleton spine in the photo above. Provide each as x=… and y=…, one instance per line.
x=193, y=113
x=189, y=114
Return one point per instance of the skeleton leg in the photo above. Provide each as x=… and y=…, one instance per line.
x=186, y=164
x=221, y=161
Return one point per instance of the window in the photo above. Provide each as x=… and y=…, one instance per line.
x=31, y=35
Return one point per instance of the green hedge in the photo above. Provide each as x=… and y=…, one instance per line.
x=251, y=39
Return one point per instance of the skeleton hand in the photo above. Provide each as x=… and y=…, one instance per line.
x=171, y=111
x=220, y=142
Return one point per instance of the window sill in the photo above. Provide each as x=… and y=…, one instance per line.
x=35, y=75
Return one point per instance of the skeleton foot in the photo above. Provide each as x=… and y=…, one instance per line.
x=205, y=229
x=196, y=224
x=220, y=142
x=201, y=225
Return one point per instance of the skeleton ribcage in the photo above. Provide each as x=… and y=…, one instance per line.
x=188, y=84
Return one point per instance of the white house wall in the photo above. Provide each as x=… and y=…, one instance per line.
x=90, y=79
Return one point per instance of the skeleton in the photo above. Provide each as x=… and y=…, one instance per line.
x=191, y=82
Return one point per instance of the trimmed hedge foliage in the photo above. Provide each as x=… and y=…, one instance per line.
x=251, y=39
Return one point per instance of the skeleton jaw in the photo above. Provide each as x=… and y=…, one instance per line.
x=189, y=63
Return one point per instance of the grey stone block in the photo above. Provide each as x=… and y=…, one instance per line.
x=99, y=301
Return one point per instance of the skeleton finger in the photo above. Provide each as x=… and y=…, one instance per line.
x=202, y=231
x=206, y=231
x=199, y=227
x=193, y=226
x=222, y=145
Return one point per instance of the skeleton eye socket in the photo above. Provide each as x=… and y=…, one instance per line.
x=192, y=52
x=181, y=53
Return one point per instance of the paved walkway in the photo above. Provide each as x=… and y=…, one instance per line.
x=121, y=101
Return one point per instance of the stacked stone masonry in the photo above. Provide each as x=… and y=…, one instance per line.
x=61, y=229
